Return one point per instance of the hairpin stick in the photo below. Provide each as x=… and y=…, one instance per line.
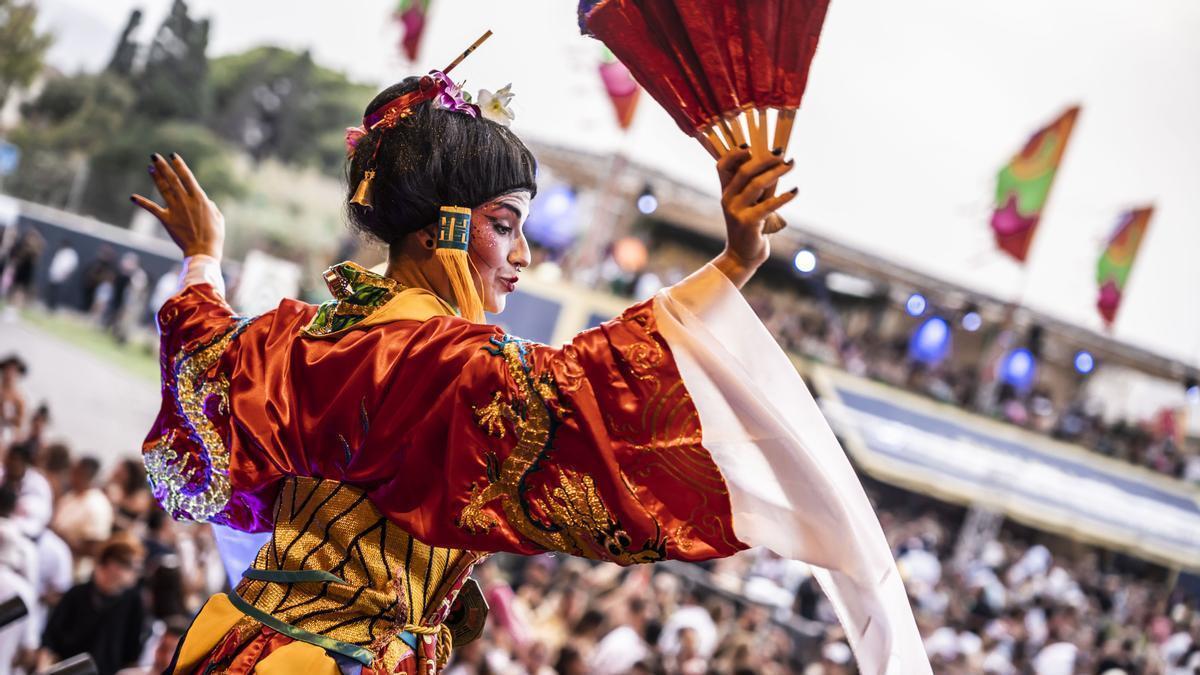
x=467, y=53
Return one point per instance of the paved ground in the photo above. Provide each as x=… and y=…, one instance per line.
x=97, y=405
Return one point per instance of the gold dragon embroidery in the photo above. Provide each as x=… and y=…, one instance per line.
x=580, y=522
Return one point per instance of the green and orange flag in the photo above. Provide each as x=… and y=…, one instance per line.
x=1112, y=271
x=1023, y=185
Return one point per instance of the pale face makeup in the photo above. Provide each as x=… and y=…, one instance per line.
x=499, y=252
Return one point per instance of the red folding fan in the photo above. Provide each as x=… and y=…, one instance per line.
x=730, y=72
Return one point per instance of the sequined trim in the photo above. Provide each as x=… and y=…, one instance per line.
x=184, y=494
x=575, y=518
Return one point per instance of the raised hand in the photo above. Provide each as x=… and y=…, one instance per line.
x=744, y=182
x=190, y=217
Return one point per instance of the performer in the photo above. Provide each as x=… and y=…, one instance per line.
x=389, y=439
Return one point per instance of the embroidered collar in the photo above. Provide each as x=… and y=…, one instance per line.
x=362, y=298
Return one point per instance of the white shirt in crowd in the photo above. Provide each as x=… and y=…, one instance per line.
x=86, y=516
x=18, y=566
x=63, y=265
x=35, y=503
x=618, y=652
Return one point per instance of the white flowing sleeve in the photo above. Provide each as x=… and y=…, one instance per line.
x=202, y=269
x=791, y=486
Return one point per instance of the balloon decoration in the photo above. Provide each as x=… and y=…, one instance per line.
x=1023, y=185
x=1116, y=262
x=412, y=16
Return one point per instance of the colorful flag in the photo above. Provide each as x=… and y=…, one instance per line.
x=1112, y=272
x=1024, y=184
x=621, y=88
x=412, y=16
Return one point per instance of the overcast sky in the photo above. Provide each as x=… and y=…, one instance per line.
x=912, y=108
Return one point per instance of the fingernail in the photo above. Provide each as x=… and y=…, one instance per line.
x=154, y=157
x=174, y=155
x=744, y=146
x=777, y=152
x=790, y=161
x=793, y=190
x=132, y=199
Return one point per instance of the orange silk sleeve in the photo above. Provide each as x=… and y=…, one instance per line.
x=200, y=465
x=592, y=449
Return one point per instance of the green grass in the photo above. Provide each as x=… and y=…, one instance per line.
x=139, y=355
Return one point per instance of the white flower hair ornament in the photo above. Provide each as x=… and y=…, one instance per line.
x=494, y=106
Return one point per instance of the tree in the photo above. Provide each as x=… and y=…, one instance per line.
x=174, y=83
x=277, y=103
x=121, y=62
x=22, y=48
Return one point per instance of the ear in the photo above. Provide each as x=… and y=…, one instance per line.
x=428, y=234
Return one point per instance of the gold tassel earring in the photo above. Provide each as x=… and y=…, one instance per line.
x=454, y=233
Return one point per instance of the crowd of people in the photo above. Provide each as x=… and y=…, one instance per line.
x=819, y=329
x=99, y=568
x=104, y=571
x=110, y=287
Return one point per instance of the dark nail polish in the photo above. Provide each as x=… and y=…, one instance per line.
x=790, y=162
x=154, y=157
x=744, y=146
x=132, y=199
x=793, y=191
x=777, y=152
x=174, y=155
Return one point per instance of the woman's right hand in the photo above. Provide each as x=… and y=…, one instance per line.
x=190, y=217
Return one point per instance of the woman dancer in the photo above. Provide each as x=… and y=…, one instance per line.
x=390, y=440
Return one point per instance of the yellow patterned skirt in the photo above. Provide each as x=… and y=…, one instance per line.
x=339, y=588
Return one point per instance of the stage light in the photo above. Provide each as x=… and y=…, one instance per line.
x=916, y=304
x=1019, y=368
x=554, y=217
x=647, y=203
x=1084, y=362
x=806, y=261
x=971, y=321
x=1192, y=391
x=930, y=343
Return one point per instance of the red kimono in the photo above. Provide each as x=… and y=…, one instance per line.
x=389, y=445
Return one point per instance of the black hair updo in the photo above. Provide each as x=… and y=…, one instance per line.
x=429, y=159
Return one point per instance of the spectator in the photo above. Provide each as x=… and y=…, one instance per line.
x=103, y=616
x=12, y=399
x=63, y=264
x=34, y=498
x=84, y=516
x=54, y=463
x=164, y=648
x=129, y=494
x=18, y=567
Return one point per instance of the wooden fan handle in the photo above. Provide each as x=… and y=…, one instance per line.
x=711, y=142
x=773, y=224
